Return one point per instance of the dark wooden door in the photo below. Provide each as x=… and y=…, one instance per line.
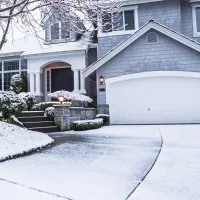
x=62, y=79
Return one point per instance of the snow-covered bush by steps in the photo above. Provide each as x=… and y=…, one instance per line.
x=70, y=96
x=44, y=105
x=84, y=125
x=28, y=98
x=10, y=104
x=49, y=112
x=17, y=84
x=104, y=117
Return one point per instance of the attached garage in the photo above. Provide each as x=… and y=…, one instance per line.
x=154, y=98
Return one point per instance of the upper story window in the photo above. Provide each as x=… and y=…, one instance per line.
x=196, y=20
x=59, y=31
x=123, y=22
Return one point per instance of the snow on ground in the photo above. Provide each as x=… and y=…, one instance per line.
x=103, y=164
x=16, y=141
x=176, y=175
x=9, y=191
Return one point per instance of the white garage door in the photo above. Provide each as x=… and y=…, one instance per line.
x=154, y=98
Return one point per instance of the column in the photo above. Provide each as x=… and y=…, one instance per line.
x=37, y=83
x=76, y=80
x=82, y=91
x=32, y=82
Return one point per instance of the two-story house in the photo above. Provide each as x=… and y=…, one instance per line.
x=53, y=61
x=148, y=64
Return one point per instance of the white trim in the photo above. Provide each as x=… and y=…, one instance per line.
x=151, y=25
x=194, y=20
x=153, y=74
x=123, y=32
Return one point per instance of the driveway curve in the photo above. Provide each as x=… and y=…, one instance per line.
x=176, y=174
x=103, y=164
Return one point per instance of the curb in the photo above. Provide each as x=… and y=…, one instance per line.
x=150, y=167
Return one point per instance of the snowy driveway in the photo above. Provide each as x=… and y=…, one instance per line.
x=104, y=164
x=176, y=174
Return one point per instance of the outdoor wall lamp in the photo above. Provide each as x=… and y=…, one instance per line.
x=101, y=80
x=61, y=99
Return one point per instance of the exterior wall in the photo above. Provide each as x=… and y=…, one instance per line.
x=164, y=12
x=166, y=55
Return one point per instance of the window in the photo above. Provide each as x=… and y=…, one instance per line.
x=7, y=79
x=48, y=81
x=196, y=20
x=11, y=65
x=24, y=64
x=0, y=66
x=152, y=38
x=125, y=20
x=55, y=31
x=59, y=31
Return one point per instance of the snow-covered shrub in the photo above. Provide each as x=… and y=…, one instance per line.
x=17, y=84
x=10, y=104
x=28, y=98
x=49, y=112
x=83, y=125
x=104, y=117
x=69, y=96
x=44, y=105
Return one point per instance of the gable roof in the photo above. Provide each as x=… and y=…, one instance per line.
x=130, y=39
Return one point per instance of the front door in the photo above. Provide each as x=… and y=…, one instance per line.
x=62, y=79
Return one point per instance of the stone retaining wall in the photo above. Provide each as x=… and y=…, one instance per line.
x=65, y=116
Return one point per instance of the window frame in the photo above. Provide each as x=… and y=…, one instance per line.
x=124, y=31
x=194, y=20
x=60, y=32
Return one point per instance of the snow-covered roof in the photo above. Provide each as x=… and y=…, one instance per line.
x=32, y=45
x=129, y=40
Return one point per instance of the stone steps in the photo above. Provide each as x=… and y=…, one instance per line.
x=36, y=121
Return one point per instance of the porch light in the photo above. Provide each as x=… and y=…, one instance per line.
x=61, y=99
x=101, y=80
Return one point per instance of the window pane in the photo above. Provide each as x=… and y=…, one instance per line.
x=48, y=81
x=198, y=19
x=129, y=20
x=118, y=21
x=24, y=64
x=107, y=22
x=64, y=32
x=0, y=81
x=11, y=65
x=55, y=31
x=0, y=66
x=7, y=79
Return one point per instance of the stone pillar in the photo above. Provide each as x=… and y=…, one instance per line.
x=32, y=82
x=62, y=117
x=76, y=80
x=82, y=91
x=38, y=83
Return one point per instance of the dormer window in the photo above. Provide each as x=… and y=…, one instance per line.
x=125, y=21
x=59, y=31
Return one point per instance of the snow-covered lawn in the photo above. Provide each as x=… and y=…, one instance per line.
x=15, y=141
x=176, y=175
x=102, y=164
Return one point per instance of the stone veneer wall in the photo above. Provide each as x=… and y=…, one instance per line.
x=65, y=116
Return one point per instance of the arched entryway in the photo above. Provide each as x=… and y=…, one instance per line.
x=57, y=76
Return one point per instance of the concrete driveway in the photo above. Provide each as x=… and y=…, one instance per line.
x=103, y=164
x=109, y=164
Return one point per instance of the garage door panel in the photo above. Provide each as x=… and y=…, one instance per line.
x=155, y=100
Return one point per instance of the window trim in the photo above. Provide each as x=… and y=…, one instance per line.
x=195, y=32
x=60, y=32
x=122, y=32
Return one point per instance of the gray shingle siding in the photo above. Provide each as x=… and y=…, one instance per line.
x=165, y=12
x=167, y=54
